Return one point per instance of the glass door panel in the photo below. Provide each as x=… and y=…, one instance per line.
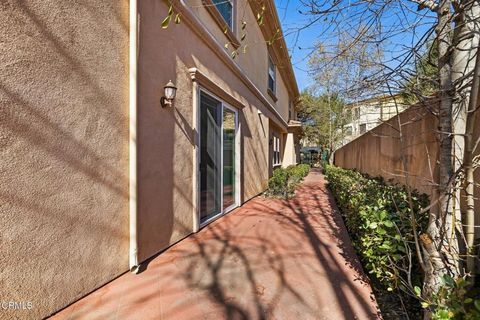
x=229, y=124
x=210, y=157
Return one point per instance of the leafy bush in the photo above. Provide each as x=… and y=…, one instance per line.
x=284, y=180
x=379, y=219
x=382, y=225
x=452, y=301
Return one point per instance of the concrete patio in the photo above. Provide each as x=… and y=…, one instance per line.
x=269, y=259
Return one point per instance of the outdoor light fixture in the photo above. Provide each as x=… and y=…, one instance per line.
x=170, y=92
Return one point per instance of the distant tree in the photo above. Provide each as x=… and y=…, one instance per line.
x=424, y=81
x=344, y=67
x=323, y=118
x=446, y=248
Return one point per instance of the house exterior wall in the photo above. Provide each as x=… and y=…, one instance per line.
x=167, y=137
x=254, y=59
x=64, y=139
x=290, y=154
x=63, y=150
x=370, y=114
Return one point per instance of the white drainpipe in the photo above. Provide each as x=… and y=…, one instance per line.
x=133, y=58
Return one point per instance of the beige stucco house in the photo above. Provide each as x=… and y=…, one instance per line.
x=369, y=113
x=96, y=176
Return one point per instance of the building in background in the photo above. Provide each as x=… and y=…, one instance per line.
x=369, y=113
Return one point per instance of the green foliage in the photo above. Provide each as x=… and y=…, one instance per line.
x=322, y=118
x=168, y=18
x=380, y=221
x=284, y=181
x=424, y=80
x=344, y=63
x=379, y=218
x=452, y=301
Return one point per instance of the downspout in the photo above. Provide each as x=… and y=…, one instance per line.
x=133, y=51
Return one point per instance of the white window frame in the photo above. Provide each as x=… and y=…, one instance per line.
x=276, y=150
x=272, y=72
x=200, y=224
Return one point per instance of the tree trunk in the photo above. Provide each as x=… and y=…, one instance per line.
x=469, y=186
x=465, y=44
x=440, y=243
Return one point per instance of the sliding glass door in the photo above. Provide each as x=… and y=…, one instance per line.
x=229, y=131
x=218, y=130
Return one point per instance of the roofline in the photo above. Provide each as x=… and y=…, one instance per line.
x=279, y=46
x=377, y=98
x=199, y=28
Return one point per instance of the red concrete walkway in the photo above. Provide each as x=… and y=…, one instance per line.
x=269, y=259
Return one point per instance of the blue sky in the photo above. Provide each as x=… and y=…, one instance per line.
x=300, y=44
x=290, y=18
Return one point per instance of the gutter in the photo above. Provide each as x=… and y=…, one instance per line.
x=132, y=143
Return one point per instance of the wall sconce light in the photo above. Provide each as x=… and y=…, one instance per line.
x=170, y=92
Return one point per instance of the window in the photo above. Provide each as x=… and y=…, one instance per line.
x=271, y=75
x=356, y=113
x=363, y=128
x=225, y=7
x=276, y=151
x=348, y=131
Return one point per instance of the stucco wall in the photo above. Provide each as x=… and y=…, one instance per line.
x=64, y=142
x=378, y=152
x=253, y=54
x=63, y=150
x=168, y=136
x=372, y=113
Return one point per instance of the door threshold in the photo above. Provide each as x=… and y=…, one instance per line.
x=215, y=217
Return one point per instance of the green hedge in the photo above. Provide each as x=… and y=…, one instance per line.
x=284, y=180
x=379, y=221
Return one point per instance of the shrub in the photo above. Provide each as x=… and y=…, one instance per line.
x=379, y=220
x=284, y=180
x=452, y=300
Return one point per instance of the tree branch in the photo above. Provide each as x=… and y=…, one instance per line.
x=424, y=4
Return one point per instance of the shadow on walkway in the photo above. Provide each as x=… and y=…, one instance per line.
x=269, y=259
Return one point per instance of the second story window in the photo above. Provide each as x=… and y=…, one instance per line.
x=225, y=7
x=356, y=113
x=348, y=131
x=271, y=75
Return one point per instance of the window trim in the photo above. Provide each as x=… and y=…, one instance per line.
x=270, y=91
x=362, y=125
x=220, y=21
x=276, y=150
x=198, y=224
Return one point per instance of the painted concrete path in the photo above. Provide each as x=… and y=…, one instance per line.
x=269, y=259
